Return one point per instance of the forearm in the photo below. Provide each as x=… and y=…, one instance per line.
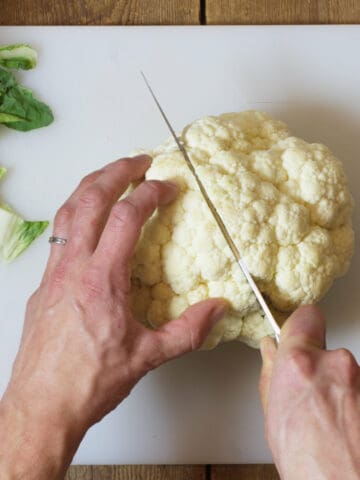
x=32, y=447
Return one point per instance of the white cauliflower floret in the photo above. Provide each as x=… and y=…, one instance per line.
x=284, y=201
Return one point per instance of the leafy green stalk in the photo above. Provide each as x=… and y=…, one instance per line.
x=8, y=118
x=16, y=234
x=18, y=56
x=19, y=109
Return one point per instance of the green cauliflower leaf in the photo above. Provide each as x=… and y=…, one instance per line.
x=19, y=56
x=16, y=233
x=19, y=102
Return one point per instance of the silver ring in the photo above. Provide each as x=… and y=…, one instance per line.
x=58, y=240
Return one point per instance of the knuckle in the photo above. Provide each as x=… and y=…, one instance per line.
x=187, y=337
x=124, y=212
x=344, y=357
x=195, y=340
x=194, y=337
x=125, y=163
x=93, y=197
x=90, y=178
x=63, y=216
x=346, y=363
x=123, y=166
x=32, y=300
x=301, y=363
x=153, y=187
x=92, y=285
x=58, y=276
x=151, y=353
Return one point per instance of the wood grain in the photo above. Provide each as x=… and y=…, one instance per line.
x=252, y=12
x=79, y=473
x=104, y=12
x=244, y=472
x=137, y=472
x=171, y=472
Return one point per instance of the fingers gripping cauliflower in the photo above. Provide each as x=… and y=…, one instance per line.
x=286, y=204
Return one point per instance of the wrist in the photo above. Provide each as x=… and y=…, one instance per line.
x=301, y=468
x=34, y=444
x=322, y=466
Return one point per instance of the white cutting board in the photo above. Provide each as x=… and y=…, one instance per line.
x=203, y=408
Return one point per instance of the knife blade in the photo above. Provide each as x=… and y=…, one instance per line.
x=269, y=316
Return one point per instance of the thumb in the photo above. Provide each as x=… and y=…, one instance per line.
x=188, y=332
x=268, y=353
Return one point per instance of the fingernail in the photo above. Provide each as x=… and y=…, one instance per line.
x=218, y=313
x=171, y=185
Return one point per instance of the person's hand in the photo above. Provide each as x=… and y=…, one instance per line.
x=311, y=400
x=82, y=351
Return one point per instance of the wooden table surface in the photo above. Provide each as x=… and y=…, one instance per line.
x=177, y=12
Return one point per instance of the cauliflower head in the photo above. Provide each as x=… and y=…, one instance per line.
x=284, y=201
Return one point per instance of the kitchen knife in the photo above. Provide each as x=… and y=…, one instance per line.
x=269, y=316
